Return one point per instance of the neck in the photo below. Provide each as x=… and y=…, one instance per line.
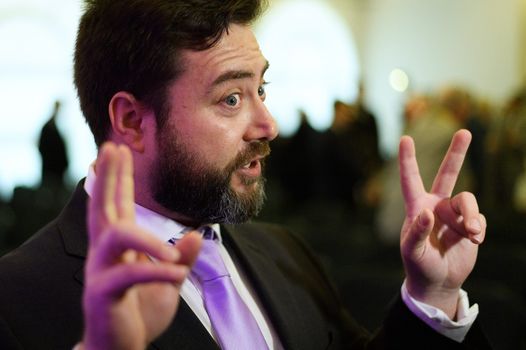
x=180, y=218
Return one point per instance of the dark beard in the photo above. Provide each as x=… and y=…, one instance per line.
x=183, y=184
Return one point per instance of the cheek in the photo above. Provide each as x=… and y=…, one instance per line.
x=220, y=151
x=209, y=149
x=219, y=145
x=215, y=139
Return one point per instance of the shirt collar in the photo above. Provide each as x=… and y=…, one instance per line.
x=160, y=226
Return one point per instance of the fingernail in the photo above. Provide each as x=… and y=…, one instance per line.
x=423, y=220
x=475, y=239
x=170, y=253
x=474, y=226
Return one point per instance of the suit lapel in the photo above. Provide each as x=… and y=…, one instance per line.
x=72, y=227
x=72, y=223
x=272, y=287
x=185, y=332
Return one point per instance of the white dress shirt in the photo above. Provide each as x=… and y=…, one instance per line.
x=165, y=229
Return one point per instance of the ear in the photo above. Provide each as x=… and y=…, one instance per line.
x=127, y=119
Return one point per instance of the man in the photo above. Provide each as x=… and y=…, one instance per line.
x=53, y=152
x=174, y=94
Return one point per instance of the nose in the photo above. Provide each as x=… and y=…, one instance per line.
x=262, y=126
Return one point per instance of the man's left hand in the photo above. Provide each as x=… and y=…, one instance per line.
x=441, y=233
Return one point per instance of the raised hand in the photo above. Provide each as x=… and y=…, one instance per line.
x=440, y=235
x=128, y=298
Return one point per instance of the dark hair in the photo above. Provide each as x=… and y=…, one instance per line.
x=135, y=45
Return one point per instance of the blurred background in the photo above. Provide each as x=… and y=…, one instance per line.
x=347, y=79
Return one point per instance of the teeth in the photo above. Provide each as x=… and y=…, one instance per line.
x=246, y=166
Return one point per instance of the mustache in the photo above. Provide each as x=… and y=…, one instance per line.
x=253, y=150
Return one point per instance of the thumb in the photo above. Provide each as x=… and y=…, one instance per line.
x=419, y=230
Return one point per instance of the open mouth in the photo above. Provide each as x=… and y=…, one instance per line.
x=252, y=168
x=251, y=165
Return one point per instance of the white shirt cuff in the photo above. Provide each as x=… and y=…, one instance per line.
x=439, y=321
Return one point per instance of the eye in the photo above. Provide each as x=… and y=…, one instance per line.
x=232, y=100
x=261, y=89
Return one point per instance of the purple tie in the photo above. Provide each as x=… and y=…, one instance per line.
x=232, y=322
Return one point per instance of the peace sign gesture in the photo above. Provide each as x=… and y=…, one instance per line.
x=440, y=235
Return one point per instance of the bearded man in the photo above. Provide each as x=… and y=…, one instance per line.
x=153, y=250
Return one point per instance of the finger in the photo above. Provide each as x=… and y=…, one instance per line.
x=124, y=238
x=447, y=175
x=414, y=242
x=465, y=204
x=410, y=180
x=461, y=214
x=101, y=207
x=189, y=247
x=117, y=280
x=479, y=238
x=125, y=192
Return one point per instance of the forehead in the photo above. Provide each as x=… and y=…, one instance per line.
x=237, y=50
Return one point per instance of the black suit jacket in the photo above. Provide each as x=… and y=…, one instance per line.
x=41, y=291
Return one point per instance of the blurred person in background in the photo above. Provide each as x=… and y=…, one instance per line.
x=472, y=115
x=52, y=148
x=31, y=207
x=507, y=148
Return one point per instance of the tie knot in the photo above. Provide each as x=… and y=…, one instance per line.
x=209, y=264
x=208, y=233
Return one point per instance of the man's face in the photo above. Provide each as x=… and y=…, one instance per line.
x=211, y=150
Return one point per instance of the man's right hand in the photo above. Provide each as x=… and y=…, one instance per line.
x=129, y=299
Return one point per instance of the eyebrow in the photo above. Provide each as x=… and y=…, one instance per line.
x=236, y=74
